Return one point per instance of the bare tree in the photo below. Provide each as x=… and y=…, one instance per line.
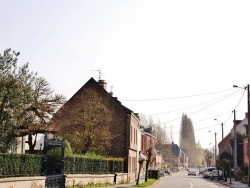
x=86, y=125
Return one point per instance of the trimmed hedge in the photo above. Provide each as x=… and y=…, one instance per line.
x=17, y=165
x=83, y=165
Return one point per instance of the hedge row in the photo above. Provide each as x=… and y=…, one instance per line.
x=17, y=165
x=79, y=165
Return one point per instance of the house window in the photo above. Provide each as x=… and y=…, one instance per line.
x=136, y=137
x=132, y=170
x=134, y=164
x=131, y=134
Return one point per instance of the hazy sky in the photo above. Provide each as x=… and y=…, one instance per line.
x=161, y=58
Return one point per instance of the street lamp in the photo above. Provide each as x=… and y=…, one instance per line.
x=222, y=128
x=248, y=119
x=215, y=150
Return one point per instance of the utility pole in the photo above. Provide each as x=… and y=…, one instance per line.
x=248, y=117
x=215, y=148
x=222, y=136
x=235, y=148
x=248, y=122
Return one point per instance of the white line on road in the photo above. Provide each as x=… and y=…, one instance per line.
x=191, y=185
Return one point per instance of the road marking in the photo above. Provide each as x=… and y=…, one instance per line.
x=191, y=185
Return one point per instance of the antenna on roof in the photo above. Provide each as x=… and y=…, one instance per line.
x=100, y=73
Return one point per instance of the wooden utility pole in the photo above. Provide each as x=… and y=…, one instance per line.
x=235, y=148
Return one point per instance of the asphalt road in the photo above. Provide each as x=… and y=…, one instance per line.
x=182, y=180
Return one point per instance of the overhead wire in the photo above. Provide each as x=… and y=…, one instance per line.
x=189, y=106
x=170, y=98
x=202, y=108
x=217, y=101
x=234, y=109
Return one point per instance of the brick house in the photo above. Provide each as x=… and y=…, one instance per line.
x=124, y=125
x=147, y=142
x=224, y=144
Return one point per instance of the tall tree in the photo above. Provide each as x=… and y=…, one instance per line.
x=88, y=123
x=39, y=111
x=200, y=155
x=24, y=101
x=187, y=140
x=15, y=90
x=158, y=131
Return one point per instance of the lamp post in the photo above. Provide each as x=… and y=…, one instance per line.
x=222, y=128
x=248, y=119
x=235, y=148
x=215, y=143
x=215, y=150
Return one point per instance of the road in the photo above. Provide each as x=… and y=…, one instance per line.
x=182, y=180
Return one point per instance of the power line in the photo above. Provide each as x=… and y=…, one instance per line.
x=190, y=106
x=170, y=98
x=202, y=108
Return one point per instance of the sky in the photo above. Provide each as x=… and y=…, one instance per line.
x=161, y=58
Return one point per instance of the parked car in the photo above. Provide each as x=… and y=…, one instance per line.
x=167, y=171
x=208, y=172
x=201, y=170
x=214, y=174
x=192, y=171
x=162, y=172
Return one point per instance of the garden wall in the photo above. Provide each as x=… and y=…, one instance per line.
x=39, y=181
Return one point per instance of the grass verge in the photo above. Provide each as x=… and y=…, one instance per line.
x=146, y=184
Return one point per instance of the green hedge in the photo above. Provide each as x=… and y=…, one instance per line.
x=81, y=164
x=17, y=165
x=20, y=165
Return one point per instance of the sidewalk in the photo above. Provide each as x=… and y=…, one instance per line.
x=127, y=185
x=234, y=184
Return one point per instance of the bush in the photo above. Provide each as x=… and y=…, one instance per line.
x=76, y=164
x=15, y=165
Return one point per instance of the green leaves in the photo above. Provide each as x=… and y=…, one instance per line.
x=26, y=101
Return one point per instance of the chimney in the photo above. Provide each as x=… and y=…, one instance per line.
x=103, y=84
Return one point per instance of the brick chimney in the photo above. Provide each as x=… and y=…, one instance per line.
x=103, y=84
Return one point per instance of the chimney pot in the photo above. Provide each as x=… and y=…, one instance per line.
x=103, y=84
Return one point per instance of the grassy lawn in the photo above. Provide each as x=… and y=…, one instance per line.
x=146, y=184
